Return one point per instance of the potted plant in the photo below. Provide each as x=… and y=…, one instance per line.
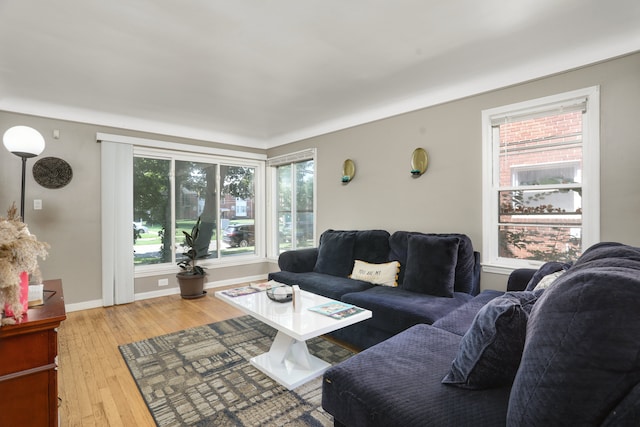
x=19, y=253
x=191, y=278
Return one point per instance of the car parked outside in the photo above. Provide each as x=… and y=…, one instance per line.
x=239, y=235
x=141, y=228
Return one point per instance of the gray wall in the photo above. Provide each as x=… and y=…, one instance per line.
x=382, y=195
x=448, y=197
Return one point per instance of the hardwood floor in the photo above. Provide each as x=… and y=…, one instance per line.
x=93, y=381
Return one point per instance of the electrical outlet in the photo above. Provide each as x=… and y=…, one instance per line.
x=163, y=282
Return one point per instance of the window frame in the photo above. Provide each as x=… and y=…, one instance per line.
x=492, y=263
x=273, y=251
x=257, y=256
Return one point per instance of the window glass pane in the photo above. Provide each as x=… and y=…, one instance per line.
x=541, y=151
x=304, y=204
x=541, y=243
x=541, y=206
x=284, y=190
x=237, y=210
x=195, y=193
x=295, y=185
x=151, y=210
x=540, y=193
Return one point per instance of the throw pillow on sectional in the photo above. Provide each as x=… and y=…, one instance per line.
x=335, y=253
x=385, y=274
x=431, y=265
x=546, y=269
x=491, y=350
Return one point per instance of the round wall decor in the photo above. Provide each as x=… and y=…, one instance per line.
x=52, y=172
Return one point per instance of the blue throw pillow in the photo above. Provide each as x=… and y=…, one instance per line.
x=491, y=350
x=431, y=265
x=335, y=253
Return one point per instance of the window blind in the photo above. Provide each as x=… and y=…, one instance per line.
x=286, y=159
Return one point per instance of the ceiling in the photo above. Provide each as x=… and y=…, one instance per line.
x=262, y=73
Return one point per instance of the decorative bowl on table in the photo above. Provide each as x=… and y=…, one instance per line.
x=280, y=293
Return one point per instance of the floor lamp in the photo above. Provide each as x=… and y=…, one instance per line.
x=24, y=142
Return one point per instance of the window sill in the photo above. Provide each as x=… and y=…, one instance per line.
x=507, y=269
x=165, y=269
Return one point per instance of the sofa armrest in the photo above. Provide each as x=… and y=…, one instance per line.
x=299, y=260
x=519, y=278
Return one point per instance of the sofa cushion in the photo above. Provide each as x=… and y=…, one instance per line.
x=459, y=320
x=397, y=383
x=465, y=267
x=385, y=274
x=372, y=246
x=396, y=309
x=490, y=351
x=322, y=284
x=582, y=347
x=335, y=253
x=431, y=265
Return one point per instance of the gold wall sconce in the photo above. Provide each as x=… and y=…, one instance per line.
x=348, y=171
x=419, y=162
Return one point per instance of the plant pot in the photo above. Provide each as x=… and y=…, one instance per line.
x=191, y=285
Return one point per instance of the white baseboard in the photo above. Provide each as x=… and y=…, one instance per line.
x=86, y=305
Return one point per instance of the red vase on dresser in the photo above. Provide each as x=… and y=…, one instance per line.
x=24, y=295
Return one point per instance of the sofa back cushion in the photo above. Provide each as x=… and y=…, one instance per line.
x=335, y=253
x=338, y=250
x=372, y=246
x=431, y=265
x=464, y=270
x=582, y=348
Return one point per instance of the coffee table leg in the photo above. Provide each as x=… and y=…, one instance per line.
x=286, y=348
x=288, y=361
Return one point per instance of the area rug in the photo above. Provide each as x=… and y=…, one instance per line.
x=202, y=377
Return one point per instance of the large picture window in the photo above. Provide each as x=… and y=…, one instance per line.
x=173, y=190
x=541, y=180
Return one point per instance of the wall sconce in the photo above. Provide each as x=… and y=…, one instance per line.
x=24, y=142
x=348, y=171
x=419, y=162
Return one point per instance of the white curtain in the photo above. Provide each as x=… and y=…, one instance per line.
x=117, y=226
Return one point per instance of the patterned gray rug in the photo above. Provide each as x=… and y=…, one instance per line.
x=202, y=377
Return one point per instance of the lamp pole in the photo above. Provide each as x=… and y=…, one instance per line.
x=24, y=157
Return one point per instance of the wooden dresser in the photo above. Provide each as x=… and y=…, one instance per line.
x=29, y=364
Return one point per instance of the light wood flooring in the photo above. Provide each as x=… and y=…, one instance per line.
x=93, y=381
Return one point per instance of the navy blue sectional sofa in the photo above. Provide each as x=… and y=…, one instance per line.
x=438, y=273
x=565, y=355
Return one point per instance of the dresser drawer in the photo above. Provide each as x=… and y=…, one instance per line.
x=27, y=351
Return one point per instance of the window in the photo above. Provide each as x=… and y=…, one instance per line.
x=172, y=190
x=294, y=207
x=541, y=180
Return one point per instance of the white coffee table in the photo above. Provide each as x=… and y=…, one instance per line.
x=288, y=360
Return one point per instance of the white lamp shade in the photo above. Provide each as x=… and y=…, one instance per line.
x=23, y=141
